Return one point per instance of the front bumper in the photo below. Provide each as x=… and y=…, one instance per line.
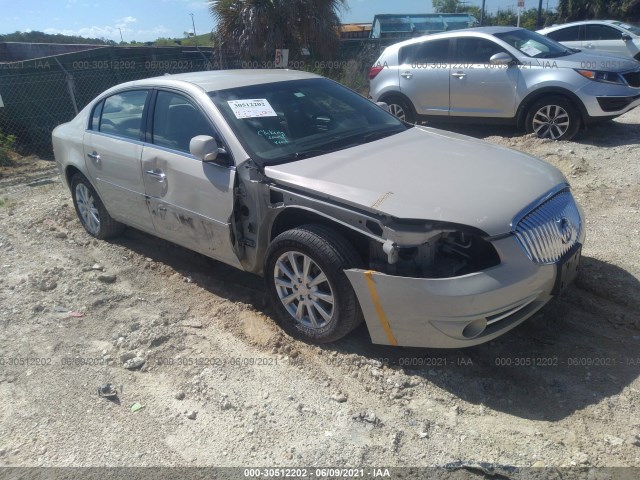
x=603, y=100
x=454, y=312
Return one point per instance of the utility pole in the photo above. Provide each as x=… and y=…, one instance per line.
x=539, y=22
x=482, y=13
x=121, y=39
x=195, y=37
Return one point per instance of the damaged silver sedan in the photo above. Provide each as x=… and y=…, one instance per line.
x=433, y=239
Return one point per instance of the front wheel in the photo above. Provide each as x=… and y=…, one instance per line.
x=553, y=117
x=311, y=295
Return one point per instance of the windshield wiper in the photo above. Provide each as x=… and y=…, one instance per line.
x=370, y=137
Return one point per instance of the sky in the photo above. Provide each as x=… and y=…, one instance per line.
x=146, y=20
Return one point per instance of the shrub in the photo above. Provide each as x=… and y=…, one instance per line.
x=6, y=145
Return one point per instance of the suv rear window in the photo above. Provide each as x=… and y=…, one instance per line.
x=433, y=51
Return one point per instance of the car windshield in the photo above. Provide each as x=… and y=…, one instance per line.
x=629, y=28
x=286, y=121
x=533, y=44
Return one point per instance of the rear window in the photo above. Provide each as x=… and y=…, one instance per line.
x=434, y=51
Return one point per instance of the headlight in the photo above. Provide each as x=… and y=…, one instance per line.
x=600, y=76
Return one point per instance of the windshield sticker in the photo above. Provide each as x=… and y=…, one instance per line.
x=530, y=50
x=252, y=108
x=274, y=136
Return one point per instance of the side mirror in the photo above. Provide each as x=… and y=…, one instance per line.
x=383, y=105
x=206, y=148
x=501, y=58
x=626, y=37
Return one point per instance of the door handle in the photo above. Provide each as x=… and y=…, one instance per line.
x=406, y=75
x=94, y=155
x=159, y=174
x=459, y=75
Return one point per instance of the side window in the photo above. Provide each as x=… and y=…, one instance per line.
x=95, y=118
x=176, y=120
x=475, y=50
x=602, y=32
x=569, y=34
x=434, y=51
x=122, y=114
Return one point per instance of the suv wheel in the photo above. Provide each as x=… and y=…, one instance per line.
x=553, y=117
x=401, y=109
x=304, y=273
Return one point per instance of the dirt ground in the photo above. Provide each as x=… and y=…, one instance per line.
x=222, y=386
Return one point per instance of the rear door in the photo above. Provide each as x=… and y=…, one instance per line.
x=424, y=76
x=113, y=149
x=478, y=88
x=572, y=36
x=191, y=201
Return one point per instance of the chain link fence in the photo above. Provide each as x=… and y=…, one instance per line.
x=37, y=95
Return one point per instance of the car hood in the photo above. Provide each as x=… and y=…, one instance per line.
x=427, y=174
x=582, y=60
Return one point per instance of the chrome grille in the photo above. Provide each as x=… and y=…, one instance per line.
x=551, y=229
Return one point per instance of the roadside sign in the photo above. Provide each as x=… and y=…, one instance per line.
x=282, y=58
x=520, y=3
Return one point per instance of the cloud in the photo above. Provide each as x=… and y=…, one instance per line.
x=123, y=22
x=113, y=33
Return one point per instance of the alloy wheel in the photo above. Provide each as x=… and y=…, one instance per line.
x=304, y=290
x=551, y=121
x=87, y=208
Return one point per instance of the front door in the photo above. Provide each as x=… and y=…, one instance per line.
x=477, y=88
x=191, y=201
x=606, y=38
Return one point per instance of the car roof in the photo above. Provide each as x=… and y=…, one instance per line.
x=222, y=79
x=484, y=31
x=582, y=22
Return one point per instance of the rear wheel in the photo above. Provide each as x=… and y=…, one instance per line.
x=553, y=117
x=91, y=211
x=401, y=108
x=304, y=273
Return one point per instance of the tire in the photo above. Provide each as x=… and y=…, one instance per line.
x=323, y=251
x=91, y=211
x=401, y=108
x=553, y=117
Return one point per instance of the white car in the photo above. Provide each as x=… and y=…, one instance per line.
x=435, y=239
x=606, y=35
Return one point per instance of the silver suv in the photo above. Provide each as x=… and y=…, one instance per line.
x=504, y=74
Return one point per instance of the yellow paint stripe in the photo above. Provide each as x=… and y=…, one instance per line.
x=378, y=306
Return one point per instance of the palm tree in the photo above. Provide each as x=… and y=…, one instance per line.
x=255, y=28
x=569, y=10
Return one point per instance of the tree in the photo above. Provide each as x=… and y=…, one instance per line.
x=446, y=6
x=572, y=10
x=255, y=28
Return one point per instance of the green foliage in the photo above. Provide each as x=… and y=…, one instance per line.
x=41, y=37
x=7, y=143
x=573, y=10
x=255, y=28
x=447, y=6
